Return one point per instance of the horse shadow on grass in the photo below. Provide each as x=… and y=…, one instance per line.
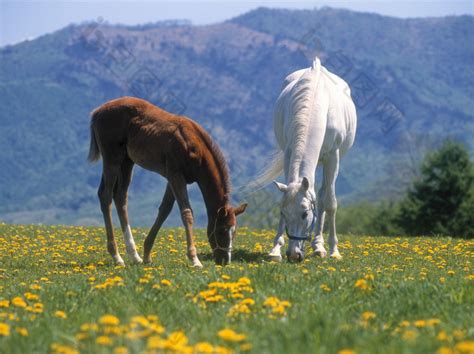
x=238, y=256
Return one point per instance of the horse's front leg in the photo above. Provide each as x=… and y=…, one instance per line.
x=178, y=186
x=278, y=242
x=164, y=210
x=330, y=202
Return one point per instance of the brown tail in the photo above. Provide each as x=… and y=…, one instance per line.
x=94, y=152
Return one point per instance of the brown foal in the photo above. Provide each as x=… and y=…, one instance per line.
x=129, y=130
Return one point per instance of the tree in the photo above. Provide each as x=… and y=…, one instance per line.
x=441, y=201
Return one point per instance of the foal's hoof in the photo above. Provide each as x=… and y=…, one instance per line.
x=118, y=261
x=197, y=264
x=146, y=260
x=335, y=255
x=275, y=258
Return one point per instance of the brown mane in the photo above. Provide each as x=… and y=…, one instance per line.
x=219, y=160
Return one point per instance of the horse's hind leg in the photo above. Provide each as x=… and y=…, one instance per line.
x=105, y=193
x=165, y=208
x=121, y=202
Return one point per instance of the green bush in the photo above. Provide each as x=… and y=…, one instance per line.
x=441, y=201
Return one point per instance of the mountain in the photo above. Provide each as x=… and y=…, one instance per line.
x=411, y=80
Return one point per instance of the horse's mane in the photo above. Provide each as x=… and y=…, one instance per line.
x=303, y=101
x=219, y=159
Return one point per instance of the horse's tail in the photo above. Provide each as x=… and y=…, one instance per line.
x=270, y=173
x=94, y=152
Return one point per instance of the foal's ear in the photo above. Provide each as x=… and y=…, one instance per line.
x=240, y=209
x=305, y=184
x=282, y=187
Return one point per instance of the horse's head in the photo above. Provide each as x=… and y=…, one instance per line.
x=222, y=231
x=298, y=210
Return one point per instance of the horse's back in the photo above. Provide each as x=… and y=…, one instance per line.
x=341, y=116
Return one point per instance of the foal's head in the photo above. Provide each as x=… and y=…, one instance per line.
x=298, y=210
x=221, y=233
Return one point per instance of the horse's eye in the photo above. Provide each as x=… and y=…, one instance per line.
x=305, y=214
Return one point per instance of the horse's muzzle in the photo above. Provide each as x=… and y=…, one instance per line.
x=222, y=257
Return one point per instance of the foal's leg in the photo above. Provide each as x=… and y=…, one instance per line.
x=330, y=202
x=278, y=242
x=178, y=185
x=318, y=242
x=106, y=190
x=121, y=201
x=165, y=208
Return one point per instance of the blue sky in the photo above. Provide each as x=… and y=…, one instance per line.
x=20, y=20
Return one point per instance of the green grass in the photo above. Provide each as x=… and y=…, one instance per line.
x=414, y=295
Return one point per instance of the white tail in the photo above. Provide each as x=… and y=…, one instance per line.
x=266, y=176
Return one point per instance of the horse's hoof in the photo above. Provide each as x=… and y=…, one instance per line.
x=275, y=258
x=147, y=260
x=336, y=255
x=136, y=259
x=319, y=253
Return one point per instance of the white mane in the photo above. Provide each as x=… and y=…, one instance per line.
x=303, y=94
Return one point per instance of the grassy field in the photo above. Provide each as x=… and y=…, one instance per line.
x=59, y=293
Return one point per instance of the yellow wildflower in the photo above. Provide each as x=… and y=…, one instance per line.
x=231, y=336
x=4, y=329
x=166, y=282
x=465, y=347
x=22, y=331
x=109, y=320
x=60, y=314
x=18, y=302
x=368, y=315
x=346, y=351
x=103, y=340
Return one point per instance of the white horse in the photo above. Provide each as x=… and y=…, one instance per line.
x=315, y=123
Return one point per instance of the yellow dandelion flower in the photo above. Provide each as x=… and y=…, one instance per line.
x=121, y=350
x=4, y=329
x=409, y=335
x=22, y=331
x=246, y=347
x=231, y=336
x=30, y=296
x=368, y=315
x=362, y=284
x=4, y=303
x=156, y=342
x=465, y=347
x=109, y=320
x=166, y=282
x=445, y=350
x=420, y=323
x=60, y=314
x=103, y=340
x=346, y=351
x=204, y=347
x=18, y=302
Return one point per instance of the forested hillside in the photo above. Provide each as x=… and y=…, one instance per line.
x=412, y=81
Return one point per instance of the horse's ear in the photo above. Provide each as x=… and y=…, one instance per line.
x=305, y=184
x=282, y=187
x=240, y=209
